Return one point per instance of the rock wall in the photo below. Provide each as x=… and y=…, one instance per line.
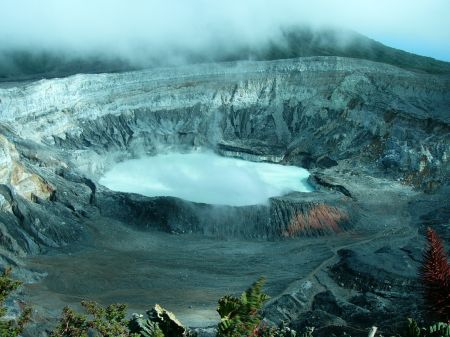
x=291, y=110
x=58, y=136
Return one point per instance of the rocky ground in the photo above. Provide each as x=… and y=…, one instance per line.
x=376, y=139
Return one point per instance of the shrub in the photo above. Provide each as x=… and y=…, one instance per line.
x=11, y=328
x=110, y=321
x=105, y=322
x=241, y=316
x=435, y=330
x=435, y=278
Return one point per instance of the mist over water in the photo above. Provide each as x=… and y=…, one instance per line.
x=206, y=177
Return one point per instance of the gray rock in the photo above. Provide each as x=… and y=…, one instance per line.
x=367, y=130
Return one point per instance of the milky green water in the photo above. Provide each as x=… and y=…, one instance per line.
x=206, y=177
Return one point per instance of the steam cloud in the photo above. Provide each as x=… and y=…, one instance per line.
x=138, y=29
x=206, y=177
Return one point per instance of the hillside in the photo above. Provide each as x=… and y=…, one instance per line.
x=292, y=43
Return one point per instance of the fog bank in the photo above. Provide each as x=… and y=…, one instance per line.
x=141, y=29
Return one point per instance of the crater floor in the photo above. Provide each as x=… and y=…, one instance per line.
x=185, y=273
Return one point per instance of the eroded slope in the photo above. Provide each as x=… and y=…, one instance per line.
x=369, y=132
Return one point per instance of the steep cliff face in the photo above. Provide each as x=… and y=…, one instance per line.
x=294, y=111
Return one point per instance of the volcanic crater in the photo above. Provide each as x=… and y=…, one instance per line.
x=375, y=139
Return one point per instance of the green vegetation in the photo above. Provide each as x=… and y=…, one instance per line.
x=434, y=330
x=241, y=316
x=105, y=322
x=10, y=328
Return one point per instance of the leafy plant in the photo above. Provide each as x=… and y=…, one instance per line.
x=412, y=329
x=435, y=330
x=104, y=321
x=240, y=316
x=11, y=328
x=439, y=330
x=71, y=324
x=435, y=277
x=110, y=321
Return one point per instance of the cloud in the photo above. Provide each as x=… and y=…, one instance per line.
x=133, y=28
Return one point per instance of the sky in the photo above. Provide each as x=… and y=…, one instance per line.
x=127, y=27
